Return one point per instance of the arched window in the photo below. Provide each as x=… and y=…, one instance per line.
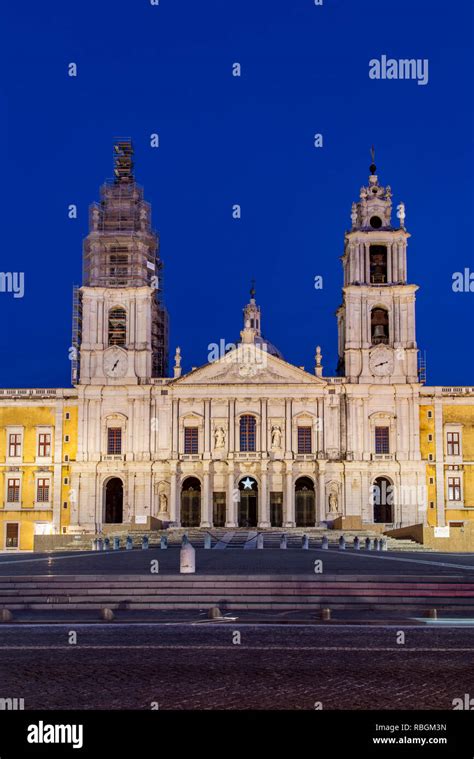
x=304, y=502
x=379, y=326
x=117, y=326
x=248, y=428
x=382, y=498
x=191, y=502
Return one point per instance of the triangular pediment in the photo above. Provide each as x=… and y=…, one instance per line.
x=249, y=365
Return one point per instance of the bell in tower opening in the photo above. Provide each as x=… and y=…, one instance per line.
x=378, y=264
x=379, y=326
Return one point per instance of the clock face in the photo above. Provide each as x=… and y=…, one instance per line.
x=381, y=363
x=115, y=363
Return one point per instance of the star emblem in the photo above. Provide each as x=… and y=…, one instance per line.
x=248, y=484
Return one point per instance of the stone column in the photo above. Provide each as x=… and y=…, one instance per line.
x=389, y=262
x=175, y=515
x=207, y=425
x=231, y=507
x=367, y=263
x=288, y=429
x=263, y=430
x=206, y=501
x=321, y=504
x=231, y=431
x=263, y=508
x=320, y=431
x=289, y=497
x=175, y=428
x=395, y=261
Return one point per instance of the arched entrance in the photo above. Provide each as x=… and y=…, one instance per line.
x=305, y=512
x=248, y=504
x=382, y=499
x=191, y=502
x=114, y=501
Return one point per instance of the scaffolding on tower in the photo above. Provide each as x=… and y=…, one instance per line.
x=422, y=367
x=76, y=335
x=122, y=249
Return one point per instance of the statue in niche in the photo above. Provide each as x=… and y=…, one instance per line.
x=219, y=437
x=276, y=436
x=163, y=503
x=333, y=503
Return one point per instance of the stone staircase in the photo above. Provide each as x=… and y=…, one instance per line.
x=237, y=593
x=241, y=537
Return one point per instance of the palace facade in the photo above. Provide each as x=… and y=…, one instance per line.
x=247, y=439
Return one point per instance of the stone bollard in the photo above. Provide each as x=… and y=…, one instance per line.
x=214, y=613
x=325, y=543
x=260, y=540
x=368, y=544
x=107, y=614
x=356, y=543
x=283, y=541
x=129, y=543
x=106, y=546
x=384, y=544
x=94, y=544
x=163, y=542
x=325, y=615
x=6, y=615
x=377, y=544
x=116, y=543
x=207, y=540
x=432, y=613
x=187, y=559
x=184, y=539
x=100, y=544
x=342, y=543
x=145, y=542
x=305, y=543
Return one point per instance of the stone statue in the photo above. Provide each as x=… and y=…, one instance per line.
x=354, y=214
x=333, y=502
x=95, y=219
x=219, y=437
x=163, y=503
x=276, y=437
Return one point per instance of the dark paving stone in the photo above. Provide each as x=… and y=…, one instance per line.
x=268, y=561
x=198, y=667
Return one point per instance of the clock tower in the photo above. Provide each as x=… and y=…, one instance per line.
x=122, y=323
x=376, y=321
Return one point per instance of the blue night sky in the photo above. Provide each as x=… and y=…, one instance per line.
x=226, y=140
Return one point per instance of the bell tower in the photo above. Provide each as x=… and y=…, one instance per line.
x=376, y=321
x=123, y=325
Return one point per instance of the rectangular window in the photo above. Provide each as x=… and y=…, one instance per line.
x=276, y=509
x=44, y=444
x=42, y=491
x=14, y=444
x=13, y=490
x=382, y=440
x=454, y=488
x=248, y=429
x=114, y=441
x=453, y=443
x=218, y=509
x=191, y=440
x=11, y=538
x=304, y=439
